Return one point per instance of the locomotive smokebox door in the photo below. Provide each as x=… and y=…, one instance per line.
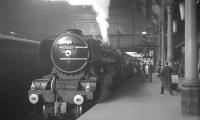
x=70, y=53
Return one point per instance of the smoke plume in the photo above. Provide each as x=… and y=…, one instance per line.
x=101, y=7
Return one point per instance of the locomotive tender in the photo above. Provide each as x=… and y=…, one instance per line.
x=83, y=71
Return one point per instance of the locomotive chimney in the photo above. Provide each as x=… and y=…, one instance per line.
x=75, y=31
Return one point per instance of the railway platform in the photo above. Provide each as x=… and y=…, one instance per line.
x=138, y=100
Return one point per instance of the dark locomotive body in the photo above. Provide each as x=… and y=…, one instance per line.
x=83, y=71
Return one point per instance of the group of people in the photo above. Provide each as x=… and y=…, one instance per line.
x=164, y=73
x=144, y=72
x=147, y=71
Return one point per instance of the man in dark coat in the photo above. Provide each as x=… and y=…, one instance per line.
x=165, y=77
x=143, y=71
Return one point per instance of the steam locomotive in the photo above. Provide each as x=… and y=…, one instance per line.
x=83, y=70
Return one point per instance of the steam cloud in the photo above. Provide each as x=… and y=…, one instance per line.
x=101, y=7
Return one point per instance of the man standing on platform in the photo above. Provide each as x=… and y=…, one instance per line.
x=150, y=71
x=166, y=80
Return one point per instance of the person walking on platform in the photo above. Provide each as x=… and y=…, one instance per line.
x=150, y=72
x=165, y=77
x=146, y=72
x=143, y=71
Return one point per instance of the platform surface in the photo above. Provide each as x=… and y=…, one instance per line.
x=137, y=100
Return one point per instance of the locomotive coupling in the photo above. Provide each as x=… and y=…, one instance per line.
x=78, y=99
x=34, y=98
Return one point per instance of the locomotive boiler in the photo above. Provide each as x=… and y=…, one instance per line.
x=83, y=70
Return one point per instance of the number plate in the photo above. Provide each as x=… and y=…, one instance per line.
x=68, y=47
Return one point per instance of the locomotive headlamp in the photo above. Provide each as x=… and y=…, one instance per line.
x=34, y=98
x=78, y=99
